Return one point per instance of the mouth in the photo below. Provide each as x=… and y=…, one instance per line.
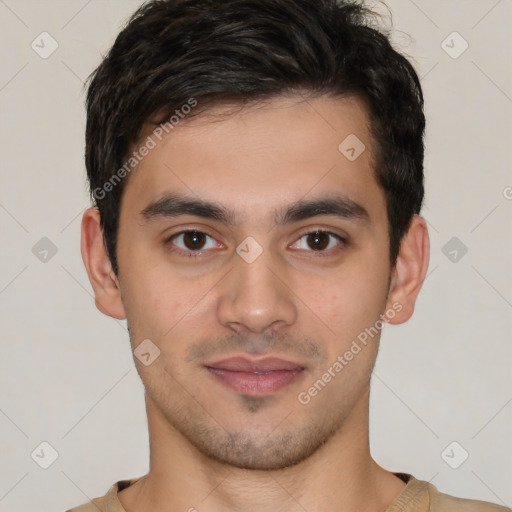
x=255, y=378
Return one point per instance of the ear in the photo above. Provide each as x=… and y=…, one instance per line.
x=409, y=271
x=105, y=284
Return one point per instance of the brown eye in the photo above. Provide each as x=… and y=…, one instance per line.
x=194, y=240
x=318, y=241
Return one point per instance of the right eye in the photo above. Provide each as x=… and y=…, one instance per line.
x=192, y=242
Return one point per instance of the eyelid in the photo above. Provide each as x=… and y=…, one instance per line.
x=341, y=239
x=199, y=229
x=172, y=247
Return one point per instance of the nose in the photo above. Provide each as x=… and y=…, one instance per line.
x=255, y=296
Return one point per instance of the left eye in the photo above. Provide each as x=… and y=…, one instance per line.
x=318, y=241
x=193, y=241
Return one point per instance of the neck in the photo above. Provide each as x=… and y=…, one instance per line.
x=340, y=476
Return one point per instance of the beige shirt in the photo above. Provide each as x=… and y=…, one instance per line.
x=416, y=496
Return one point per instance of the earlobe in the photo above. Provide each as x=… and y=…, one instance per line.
x=107, y=293
x=409, y=271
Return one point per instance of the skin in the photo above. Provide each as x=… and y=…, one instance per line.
x=212, y=448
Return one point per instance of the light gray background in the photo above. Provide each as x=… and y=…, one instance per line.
x=66, y=371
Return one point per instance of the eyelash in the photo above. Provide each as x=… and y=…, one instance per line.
x=343, y=242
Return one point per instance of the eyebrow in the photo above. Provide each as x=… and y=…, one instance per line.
x=174, y=205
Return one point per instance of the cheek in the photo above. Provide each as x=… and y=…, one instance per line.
x=148, y=300
x=154, y=306
x=160, y=303
x=349, y=300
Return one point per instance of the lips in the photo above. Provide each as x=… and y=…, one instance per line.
x=241, y=364
x=255, y=378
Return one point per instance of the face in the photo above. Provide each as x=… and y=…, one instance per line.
x=252, y=236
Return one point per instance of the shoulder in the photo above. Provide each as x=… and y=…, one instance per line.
x=440, y=502
x=422, y=496
x=108, y=503
x=92, y=506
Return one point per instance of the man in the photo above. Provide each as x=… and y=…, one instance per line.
x=257, y=172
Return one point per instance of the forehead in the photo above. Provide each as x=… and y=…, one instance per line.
x=254, y=159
